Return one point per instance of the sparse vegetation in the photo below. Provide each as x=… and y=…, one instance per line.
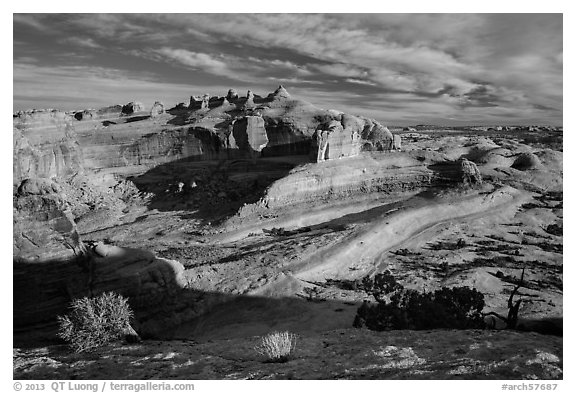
x=401, y=308
x=277, y=347
x=513, y=307
x=94, y=322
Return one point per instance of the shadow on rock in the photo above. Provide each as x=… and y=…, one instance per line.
x=211, y=190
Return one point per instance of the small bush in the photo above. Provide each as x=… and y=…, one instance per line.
x=277, y=346
x=401, y=308
x=94, y=322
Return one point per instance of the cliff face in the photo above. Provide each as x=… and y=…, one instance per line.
x=44, y=145
x=44, y=227
x=123, y=139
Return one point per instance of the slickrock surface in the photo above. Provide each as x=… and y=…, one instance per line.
x=339, y=354
x=216, y=219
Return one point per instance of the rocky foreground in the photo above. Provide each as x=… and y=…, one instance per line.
x=229, y=217
x=338, y=354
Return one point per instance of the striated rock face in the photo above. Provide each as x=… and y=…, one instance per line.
x=332, y=141
x=157, y=109
x=44, y=227
x=44, y=145
x=52, y=143
x=313, y=182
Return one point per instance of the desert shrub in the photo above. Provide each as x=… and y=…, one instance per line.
x=96, y=321
x=277, y=346
x=400, y=308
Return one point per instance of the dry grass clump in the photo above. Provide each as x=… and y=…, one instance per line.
x=94, y=322
x=277, y=346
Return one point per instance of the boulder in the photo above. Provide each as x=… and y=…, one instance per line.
x=38, y=186
x=157, y=109
x=526, y=161
x=376, y=137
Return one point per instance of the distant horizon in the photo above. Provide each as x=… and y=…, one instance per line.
x=400, y=69
x=147, y=106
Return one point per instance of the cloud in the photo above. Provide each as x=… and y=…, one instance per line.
x=470, y=63
x=360, y=82
x=201, y=61
x=83, y=42
x=30, y=20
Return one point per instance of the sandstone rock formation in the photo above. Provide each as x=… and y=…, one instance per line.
x=376, y=137
x=154, y=286
x=199, y=102
x=331, y=141
x=44, y=145
x=157, y=109
x=526, y=161
x=280, y=92
x=470, y=173
x=132, y=107
x=232, y=95
x=70, y=172
x=397, y=143
x=44, y=228
x=84, y=115
x=249, y=135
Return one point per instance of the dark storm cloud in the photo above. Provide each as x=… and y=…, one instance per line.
x=389, y=66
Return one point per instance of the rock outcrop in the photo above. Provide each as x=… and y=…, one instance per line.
x=157, y=109
x=199, y=102
x=331, y=141
x=470, y=173
x=44, y=227
x=154, y=286
x=232, y=95
x=45, y=145
x=249, y=135
x=397, y=142
x=376, y=137
x=70, y=172
x=526, y=161
x=132, y=107
x=280, y=92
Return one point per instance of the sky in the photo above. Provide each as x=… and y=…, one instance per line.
x=400, y=69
